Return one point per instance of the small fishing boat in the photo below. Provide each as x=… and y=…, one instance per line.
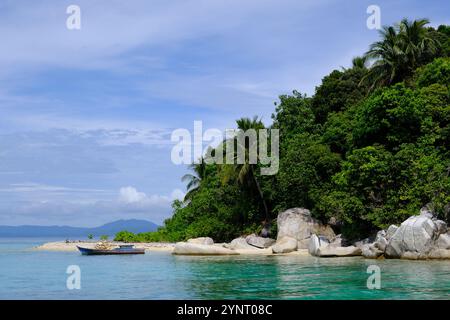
x=122, y=249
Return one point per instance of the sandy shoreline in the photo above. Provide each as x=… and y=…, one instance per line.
x=71, y=246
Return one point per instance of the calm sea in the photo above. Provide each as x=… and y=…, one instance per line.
x=28, y=274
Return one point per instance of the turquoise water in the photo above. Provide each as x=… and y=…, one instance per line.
x=28, y=274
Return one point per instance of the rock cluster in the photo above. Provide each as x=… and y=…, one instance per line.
x=419, y=237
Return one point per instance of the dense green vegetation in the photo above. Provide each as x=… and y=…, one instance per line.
x=369, y=149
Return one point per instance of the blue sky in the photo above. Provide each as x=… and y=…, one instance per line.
x=86, y=115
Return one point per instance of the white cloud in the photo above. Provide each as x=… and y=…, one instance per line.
x=177, y=194
x=131, y=195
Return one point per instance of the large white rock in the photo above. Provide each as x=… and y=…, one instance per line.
x=186, y=248
x=285, y=245
x=315, y=243
x=416, y=237
x=259, y=242
x=298, y=223
x=443, y=242
x=328, y=251
x=201, y=240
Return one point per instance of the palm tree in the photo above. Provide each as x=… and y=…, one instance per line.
x=359, y=62
x=417, y=40
x=245, y=172
x=389, y=58
x=194, y=180
x=401, y=50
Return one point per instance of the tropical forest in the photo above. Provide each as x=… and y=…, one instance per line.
x=368, y=149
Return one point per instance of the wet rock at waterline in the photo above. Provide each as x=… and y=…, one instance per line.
x=417, y=238
x=285, y=245
x=328, y=251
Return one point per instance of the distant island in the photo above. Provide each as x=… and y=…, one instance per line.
x=110, y=229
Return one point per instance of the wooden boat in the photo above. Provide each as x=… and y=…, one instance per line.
x=122, y=249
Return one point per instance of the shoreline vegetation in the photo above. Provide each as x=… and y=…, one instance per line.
x=368, y=150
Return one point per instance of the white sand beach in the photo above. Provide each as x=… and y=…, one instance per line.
x=72, y=245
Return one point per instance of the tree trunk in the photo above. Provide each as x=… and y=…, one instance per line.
x=266, y=210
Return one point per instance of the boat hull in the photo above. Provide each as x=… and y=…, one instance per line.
x=96, y=252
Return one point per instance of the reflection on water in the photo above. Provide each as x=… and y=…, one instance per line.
x=27, y=274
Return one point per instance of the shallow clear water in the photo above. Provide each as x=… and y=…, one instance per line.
x=28, y=274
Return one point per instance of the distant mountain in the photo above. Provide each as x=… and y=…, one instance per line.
x=109, y=229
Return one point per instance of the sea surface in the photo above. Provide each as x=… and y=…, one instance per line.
x=30, y=274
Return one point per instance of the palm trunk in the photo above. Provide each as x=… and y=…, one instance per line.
x=266, y=210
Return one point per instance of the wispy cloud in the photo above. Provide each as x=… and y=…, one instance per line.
x=36, y=187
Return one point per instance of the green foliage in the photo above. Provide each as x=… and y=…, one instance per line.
x=157, y=236
x=104, y=237
x=390, y=116
x=293, y=115
x=338, y=131
x=125, y=236
x=90, y=236
x=220, y=210
x=436, y=72
x=339, y=90
x=444, y=39
x=314, y=165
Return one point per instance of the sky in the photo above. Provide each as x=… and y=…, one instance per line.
x=86, y=115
